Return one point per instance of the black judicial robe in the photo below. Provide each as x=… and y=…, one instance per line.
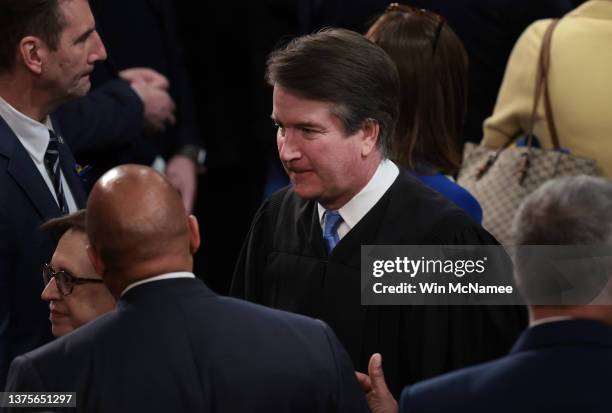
x=284, y=264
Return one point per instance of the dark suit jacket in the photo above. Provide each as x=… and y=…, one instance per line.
x=175, y=346
x=563, y=366
x=25, y=203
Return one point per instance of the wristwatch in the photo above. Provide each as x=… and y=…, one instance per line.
x=196, y=153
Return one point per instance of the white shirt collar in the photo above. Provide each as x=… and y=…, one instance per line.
x=360, y=204
x=33, y=135
x=166, y=276
x=549, y=320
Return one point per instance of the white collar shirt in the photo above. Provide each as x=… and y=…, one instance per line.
x=355, y=209
x=167, y=276
x=34, y=137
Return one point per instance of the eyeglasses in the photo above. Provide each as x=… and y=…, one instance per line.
x=65, y=281
x=402, y=8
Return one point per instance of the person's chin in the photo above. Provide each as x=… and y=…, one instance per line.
x=82, y=88
x=306, y=191
x=60, y=329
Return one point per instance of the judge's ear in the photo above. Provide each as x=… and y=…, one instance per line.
x=33, y=52
x=370, y=137
x=194, y=237
x=96, y=260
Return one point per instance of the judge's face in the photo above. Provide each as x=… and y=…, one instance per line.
x=323, y=163
x=66, y=70
x=87, y=300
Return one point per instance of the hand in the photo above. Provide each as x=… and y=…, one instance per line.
x=145, y=75
x=181, y=172
x=375, y=388
x=158, y=107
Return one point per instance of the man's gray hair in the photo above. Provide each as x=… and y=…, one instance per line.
x=572, y=218
x=566, y=211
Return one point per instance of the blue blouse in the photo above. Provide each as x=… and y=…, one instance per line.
x=461, y=197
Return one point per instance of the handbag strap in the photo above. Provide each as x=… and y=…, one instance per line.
x=550, y=119
x=542, y=85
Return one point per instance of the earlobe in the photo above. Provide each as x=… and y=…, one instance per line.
x=371, y=129
x=32, y=52
x=194, y=239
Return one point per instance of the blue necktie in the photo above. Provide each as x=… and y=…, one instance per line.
x=53, y=169
x=331, y=222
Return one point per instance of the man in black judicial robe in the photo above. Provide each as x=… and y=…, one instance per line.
x=331, y=139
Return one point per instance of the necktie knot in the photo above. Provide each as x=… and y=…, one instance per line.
x=331, y=222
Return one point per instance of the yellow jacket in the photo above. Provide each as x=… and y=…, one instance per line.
x=580, y=84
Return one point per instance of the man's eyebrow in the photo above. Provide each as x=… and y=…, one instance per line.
x=84, y=35
x=301, y=125
x=309, y=125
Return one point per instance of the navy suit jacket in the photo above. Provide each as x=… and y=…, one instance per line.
x=563, y=366
x=25, y=203
x=175, y=346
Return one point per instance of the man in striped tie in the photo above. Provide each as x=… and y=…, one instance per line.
x=47, y=51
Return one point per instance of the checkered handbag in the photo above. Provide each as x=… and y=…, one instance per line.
x=501, y=179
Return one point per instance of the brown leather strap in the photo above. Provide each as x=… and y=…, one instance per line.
x=550, y=120
x=537, y=91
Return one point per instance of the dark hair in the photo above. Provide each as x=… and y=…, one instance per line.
x=57, y=227
x=432, y=65
x=344, y=68
x=21, y=18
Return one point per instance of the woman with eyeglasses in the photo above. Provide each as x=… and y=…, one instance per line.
x=433, y=70
x=76, y=294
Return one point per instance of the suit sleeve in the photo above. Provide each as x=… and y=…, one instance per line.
x=187, y=130
x=349, y=395
x=110, y=116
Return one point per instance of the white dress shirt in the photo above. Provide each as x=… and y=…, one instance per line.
x=160, y=277
x=360, y=204
x=34, y=136
x=549, y=320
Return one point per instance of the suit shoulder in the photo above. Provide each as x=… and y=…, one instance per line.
x=74, y=344
x=254, y=311
x=282, y=325
x=450, y=390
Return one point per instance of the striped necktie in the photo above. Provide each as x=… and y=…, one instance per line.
x=52, y=163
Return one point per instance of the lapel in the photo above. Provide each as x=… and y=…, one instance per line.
x=22, y=169
x=68, y=165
